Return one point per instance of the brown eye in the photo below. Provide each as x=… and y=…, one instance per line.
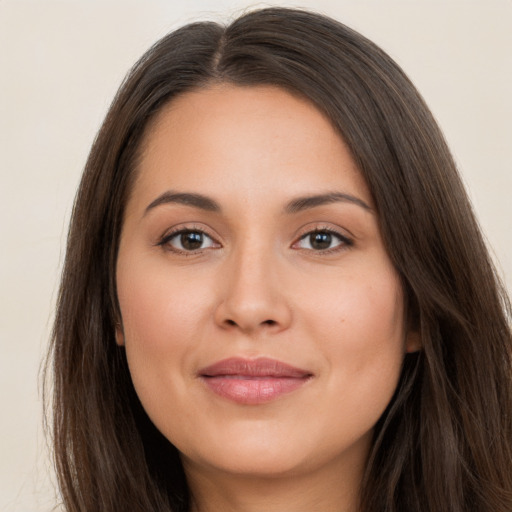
x=322, y=240
x=188, y=240
x=191, y=241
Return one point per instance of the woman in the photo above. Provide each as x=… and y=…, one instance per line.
x=275, y=295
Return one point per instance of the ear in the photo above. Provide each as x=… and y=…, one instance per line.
x=119, y=334
x=413, y=341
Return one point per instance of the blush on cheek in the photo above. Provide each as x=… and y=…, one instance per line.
x=369, y=332
x=153, y=306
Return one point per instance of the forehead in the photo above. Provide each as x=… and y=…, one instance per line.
x=227, y=138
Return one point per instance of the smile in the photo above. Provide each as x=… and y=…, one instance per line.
x=253, y=382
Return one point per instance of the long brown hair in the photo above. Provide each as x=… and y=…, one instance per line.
x=444, y=443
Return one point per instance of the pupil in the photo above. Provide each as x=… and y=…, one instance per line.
x=191, y=241
x=320, y=240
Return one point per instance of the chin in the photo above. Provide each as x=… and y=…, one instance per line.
x=251, y=463
x=269, y=455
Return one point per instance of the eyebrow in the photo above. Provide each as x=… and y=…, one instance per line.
x=186, y=198
x=296, y=205
x=306, y=202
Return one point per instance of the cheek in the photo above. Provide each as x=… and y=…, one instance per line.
x=159, y=307
x=360, y=332
x=365, y=310
x=162, y=319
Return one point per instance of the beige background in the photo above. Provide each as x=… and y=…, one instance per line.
x=60, y=65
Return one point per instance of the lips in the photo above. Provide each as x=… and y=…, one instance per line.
x=247, y=381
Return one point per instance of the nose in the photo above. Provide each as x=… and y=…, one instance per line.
x=251, y=295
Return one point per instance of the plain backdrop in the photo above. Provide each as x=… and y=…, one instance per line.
x=60, y=65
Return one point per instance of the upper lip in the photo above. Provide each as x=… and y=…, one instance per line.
x=260, y=367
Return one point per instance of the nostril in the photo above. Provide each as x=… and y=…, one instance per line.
x=232, y=323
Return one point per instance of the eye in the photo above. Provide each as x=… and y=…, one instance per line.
x=188, y=240
x=322, y=240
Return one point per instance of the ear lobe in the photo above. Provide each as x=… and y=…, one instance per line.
x=119, y=335
x=413, y=342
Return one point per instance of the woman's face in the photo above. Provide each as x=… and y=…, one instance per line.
x=262, y=318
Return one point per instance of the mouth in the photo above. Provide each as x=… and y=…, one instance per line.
x=253, y=381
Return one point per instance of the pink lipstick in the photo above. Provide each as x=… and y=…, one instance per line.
x=253, y=381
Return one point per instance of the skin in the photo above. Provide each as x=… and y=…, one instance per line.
x=257, y=287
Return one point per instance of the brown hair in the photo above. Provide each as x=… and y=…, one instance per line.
x=444, y=441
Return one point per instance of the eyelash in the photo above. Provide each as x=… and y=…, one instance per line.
x=344, y=241
x=167, y=238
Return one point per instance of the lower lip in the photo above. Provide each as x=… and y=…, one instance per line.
x=253, y=390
